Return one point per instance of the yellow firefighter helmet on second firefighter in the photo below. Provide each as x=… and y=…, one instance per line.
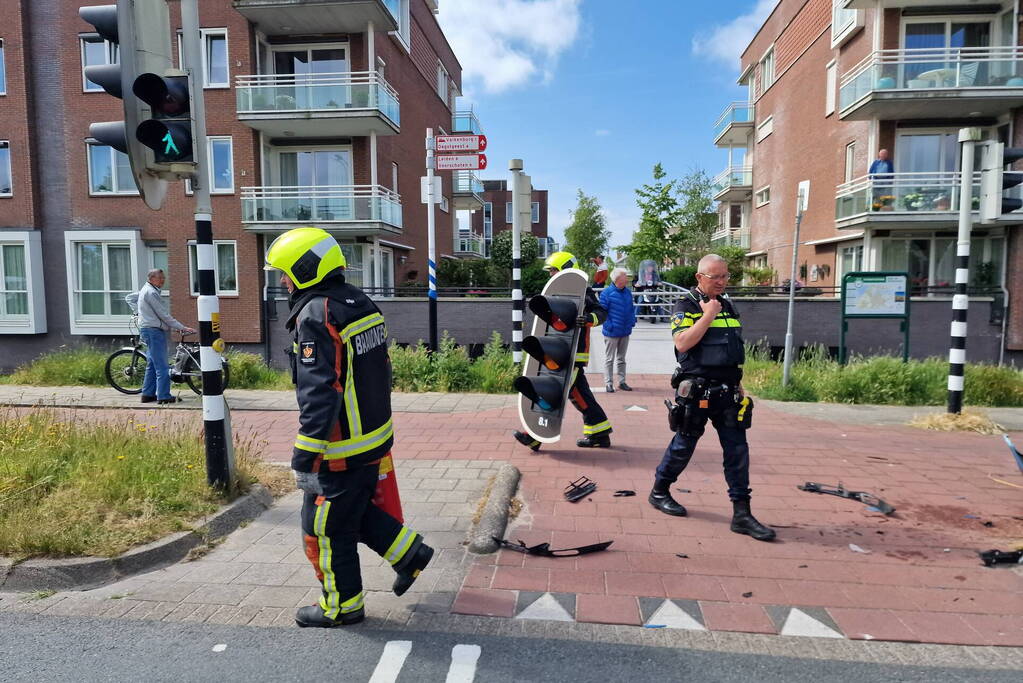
x=306, y=255
x=559, y=260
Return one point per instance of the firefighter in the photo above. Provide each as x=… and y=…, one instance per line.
x=596, y=427
x=342, y=376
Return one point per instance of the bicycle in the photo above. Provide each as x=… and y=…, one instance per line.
x=126, y=368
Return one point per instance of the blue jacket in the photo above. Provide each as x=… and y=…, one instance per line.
x=621, y=311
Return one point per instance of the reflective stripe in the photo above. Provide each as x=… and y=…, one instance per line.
x=596, y=320
x=351, y=400
x=294, y=347
x=330, y=601
x=361, y=325
x=589, y=430
x=582, y=357
x=337, y=450
x=742, y=408
x=307, y=443
x=725, y=322
x=402, y=542
x=354, y=604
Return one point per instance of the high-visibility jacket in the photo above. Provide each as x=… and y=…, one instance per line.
x=595, y=315
x=720, y=353
x=342, y=374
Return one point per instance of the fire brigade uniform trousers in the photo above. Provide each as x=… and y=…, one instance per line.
x=594, y=418
x=333, y=528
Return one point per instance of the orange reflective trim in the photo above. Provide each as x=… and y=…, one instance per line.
x=338, y=347
x=312, y=553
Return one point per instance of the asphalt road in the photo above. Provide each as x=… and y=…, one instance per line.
x=40, y=648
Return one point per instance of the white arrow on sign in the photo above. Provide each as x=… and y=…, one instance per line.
x=461, y=162
x=461, y=143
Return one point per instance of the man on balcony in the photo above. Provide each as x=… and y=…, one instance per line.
x=880, y=172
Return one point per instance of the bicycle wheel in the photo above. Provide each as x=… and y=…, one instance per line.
x=193, y=375
x=125, y=370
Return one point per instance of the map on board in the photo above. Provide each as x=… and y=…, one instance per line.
x=875, y=295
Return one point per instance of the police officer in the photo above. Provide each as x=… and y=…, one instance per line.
x=596, y=427
x=342, y=374
x=709, y=349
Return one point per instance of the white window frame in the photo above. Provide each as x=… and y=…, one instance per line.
x=111, y=56
x=765, y=128
x=844, y=23
x=767, y=75
x=394, y=177
x=831, y=88
x=153, y=249
x=204, y=33
x=209, y=156
x=404, y=32
x=3, y=68
x=850, y=161
x=445, y=206
x=534, y=208
x=443, y=82
x=762, y=197
x=117, y=191
x=193, y=268
x=35, y=321
x=101, y=325
x=509, y=214
x=5, y=144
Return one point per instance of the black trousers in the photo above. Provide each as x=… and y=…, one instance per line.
x=333, y=528
x=594, y=418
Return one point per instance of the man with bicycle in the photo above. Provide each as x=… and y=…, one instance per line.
x=155, y=321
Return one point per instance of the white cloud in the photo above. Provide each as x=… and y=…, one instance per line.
x=504, y=44
x=726, y=42
x=602, y=132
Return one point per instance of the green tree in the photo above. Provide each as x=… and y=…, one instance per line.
x=655, y=238
x=696, y=219
x=501, y=249
x=587, y=236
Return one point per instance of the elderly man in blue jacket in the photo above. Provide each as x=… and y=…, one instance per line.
x=621, y=318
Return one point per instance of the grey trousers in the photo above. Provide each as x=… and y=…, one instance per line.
x=614, y=357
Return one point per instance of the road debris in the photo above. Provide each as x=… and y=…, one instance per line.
x=579, y=489
x=544, y=549
x=1015, y=452
x=993, y=557
x=624, y=493
x=868, y=499
x=856, y=549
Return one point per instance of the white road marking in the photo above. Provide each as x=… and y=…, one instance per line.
x=546, y=608
x=636, y=409
x=670, y=615
x=463, y=663
x=800, y=623
x=220, y=647
x=391, y=661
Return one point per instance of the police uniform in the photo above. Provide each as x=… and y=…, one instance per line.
x=342, y=374
x=708, y=380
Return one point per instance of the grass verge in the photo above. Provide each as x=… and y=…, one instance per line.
x=966, y=421
x=74, y=486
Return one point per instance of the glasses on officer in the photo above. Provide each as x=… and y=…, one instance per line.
x=717, y=278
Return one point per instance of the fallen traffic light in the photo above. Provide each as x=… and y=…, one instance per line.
x=554, y=354
x=545, y=391
x=558, y=312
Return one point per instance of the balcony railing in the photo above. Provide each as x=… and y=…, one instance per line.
x=736, y=112
x=730, y=236
x=472, y=244
x=547, y=247
x=922, y=69
x=736, y=176
x=294, y=93
x=904, y=193
x=466, y=122
x=321, y=204
x=466, y=182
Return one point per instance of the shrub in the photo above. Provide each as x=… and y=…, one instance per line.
x=411, y=368
x=451, y=366
x=495, y=370
x=683, y=276
x=248, y=371
x=451, y=370
x=77, y=366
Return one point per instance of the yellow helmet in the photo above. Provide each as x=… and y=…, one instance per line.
x=559, y=260
x=306, y=255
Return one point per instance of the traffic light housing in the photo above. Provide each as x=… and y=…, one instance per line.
x=169, y=132
x=555, y=352
x=995, y=180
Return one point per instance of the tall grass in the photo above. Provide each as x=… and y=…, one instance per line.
x=879, y=380
x=451, y=370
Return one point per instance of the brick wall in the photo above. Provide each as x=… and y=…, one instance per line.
x=17, y=211
x=499, y=198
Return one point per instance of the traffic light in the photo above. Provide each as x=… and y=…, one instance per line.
x=141, y=31
x=995, y=180
x=169, y=132
x=554, y=350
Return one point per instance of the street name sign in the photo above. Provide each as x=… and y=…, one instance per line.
x=461, y=162
x=460, y=143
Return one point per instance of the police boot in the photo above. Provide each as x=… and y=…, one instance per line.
x=660, y=498
x=312, y=615
x=410, y=566
x=594, y=441
x=526, y=440
x=743, y=522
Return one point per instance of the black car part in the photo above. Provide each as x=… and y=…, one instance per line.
x=544, y=549
x=840, y=491
x=579, y=489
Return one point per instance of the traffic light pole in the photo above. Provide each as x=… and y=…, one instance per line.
x=431, y=256
x=515, y=166
x=968, y=138
x=216, y=422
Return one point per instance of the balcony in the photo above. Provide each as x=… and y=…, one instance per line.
x=547, y=246
x=871, y=4
x=902, y=200
x=933, y=83
x=315, y=17
x=318, y=105
x=738, y=237
x=734, y=125
x=466, y=191
x=344, y=209
x=468, y=244
x=734, y=184
x=466, y=122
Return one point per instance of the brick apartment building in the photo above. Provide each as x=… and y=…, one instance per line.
x=316, y=114
x=496, y=216
x=832, y=82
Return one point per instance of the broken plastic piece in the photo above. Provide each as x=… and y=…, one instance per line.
x=856, y=549
x=682, y=555
x=868, y=499
x=624, y=493
x=544, y=549
x=579, y=489
x=993, y=557
x=1015, y=452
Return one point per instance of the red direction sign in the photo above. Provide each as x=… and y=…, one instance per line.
x=461, y=143
x=461, y=162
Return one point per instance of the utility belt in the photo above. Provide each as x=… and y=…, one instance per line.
x=698, y=398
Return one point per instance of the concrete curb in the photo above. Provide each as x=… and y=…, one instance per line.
x=494, y=519
x=89, y=572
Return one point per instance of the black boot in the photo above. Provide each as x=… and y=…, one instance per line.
x=312, y=615
x=526, y=440
x=743, y=522
x=418, y=556
x=660, y=498
x=595, y=441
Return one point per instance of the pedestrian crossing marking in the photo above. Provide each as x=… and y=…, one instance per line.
x=391, y=661
x=463, y=663
x=799, y=623
x=636, y=409
x=670, y=615
x=545, y=608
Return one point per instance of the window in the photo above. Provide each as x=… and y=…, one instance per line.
x=221, y=155
x=488, y=227
x=394, y=177
x=109, y=171
x=404, y=20
x=13, y=282
x=96, y=52
x=225, y=268
x=831, y=85
x=765, y=128
x=844, y=22
x=158, y=259
x=851, y=259
x=5, y=169
x=444, y=205
x=850, y=161
x=215, y=69
x=442, y=82
x=509, y=215
x=763, y=196
x=767, y=70
x=103, y=277
x=535, y=206
x=3, y=69
x=22, y=298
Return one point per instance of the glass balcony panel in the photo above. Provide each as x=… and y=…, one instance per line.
x=341, y=204
x=903, y=193
x=737, y=112
x=466, y=182
x=736, y=176
x=277, y=94
x=466, y=122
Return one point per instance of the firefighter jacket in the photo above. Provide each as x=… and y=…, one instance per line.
x=342, y=376
x=595, y=315
x=720, y=354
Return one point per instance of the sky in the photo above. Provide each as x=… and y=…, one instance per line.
x=592, y=93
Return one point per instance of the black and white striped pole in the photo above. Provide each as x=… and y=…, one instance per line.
x=216, y=421
x=968, y=138
x=431, y=251
x=515, y=166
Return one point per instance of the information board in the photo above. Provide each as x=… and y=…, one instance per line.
x=874, y=294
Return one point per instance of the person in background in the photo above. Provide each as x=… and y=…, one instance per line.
x=600, y=276
x=155, y=321
x=621, y=318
